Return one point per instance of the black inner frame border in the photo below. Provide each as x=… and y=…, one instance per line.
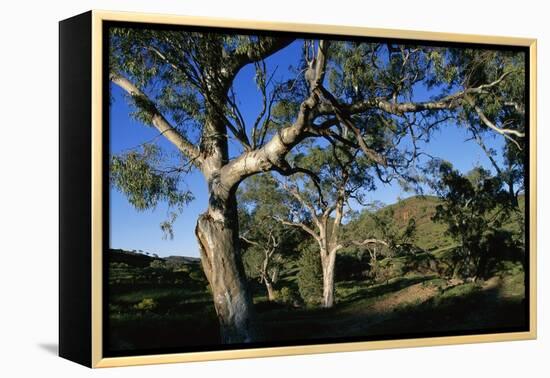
x=106, y=25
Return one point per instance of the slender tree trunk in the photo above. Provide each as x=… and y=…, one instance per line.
x=327, y=263
x=266, y=277
x=218, y=236
x=270, y=291
x=512, y=194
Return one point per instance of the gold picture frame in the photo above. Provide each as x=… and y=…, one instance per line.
x=97, y=175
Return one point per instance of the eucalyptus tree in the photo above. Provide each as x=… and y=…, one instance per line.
x=390, y=237
x=268, y=243
x=319, y=198
x=182, y=84
x=503, y=104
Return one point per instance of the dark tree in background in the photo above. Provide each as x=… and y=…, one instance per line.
x=474, y=208
x=360, y=94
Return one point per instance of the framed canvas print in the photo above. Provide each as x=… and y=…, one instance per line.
x=237, y=189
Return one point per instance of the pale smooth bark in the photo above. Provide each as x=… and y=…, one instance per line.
x=328, y=259
x=220, y=256
x=326, y=232
x=217, y=229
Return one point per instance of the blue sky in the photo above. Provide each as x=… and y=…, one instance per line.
x=135, y=230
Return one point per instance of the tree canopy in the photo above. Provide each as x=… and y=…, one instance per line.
x=365, y=97
x=344, y=114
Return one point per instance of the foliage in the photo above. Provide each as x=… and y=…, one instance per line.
x=330, y=140
x=188, y=78
x=158, y=264
x=352, y=264
x=400, y=240
x=138, y=175
x=309, y=276
x=333, y=174
x=474, y=207
x=267, y=242
x=287, y=295
x=147, y=304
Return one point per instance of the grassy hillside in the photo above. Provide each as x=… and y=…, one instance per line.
x=430, y=236
x=157, y=302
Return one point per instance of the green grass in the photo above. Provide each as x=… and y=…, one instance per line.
x=172, y=308
x=186, y=317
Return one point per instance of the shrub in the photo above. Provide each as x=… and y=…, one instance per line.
x=157, y=264
x=351, y=266
x=146, y=304
x=197, y=275
x=287, y=296
x=310, y=277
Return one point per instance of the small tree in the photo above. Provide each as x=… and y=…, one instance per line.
x=472, y=209
x=266, y=241
x=309, y=276
x=318, y=197
x=386, y=237
x=157, y=264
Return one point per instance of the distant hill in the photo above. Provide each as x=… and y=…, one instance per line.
x=430, y=235
x=141, y=259
x=182, y=259
x=132, y=258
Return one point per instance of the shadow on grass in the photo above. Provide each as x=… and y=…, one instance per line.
x=462, y=308
x=381, y=289
x=477, y=310
x=459, y=309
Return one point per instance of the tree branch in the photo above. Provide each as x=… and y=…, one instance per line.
x=399, y=108
x=487, y=122
x=255, y=52
x=368, y=241
x=344, y=119
x=251, y=242
x=272, y=154
x=289, y=171
x=157, y=119
x=301, y=225
x=294, y=192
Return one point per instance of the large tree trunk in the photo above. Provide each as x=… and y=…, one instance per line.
x=327, y=263
x=217, y=233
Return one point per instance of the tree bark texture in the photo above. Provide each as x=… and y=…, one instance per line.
x=218, y=237
x=270, y=291
x=327, y=262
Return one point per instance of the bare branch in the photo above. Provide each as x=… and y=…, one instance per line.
x=518, y=108
x=249, y=241
x=451, y=101
x=344, y=119
x=271, y=155
x=487, y=122
x=301, y=225
x=289, y=171
x=488, y=153
x=369, y=241
x=158, y=120
x=255, y=52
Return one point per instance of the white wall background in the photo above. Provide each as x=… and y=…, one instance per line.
x=29, y=174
